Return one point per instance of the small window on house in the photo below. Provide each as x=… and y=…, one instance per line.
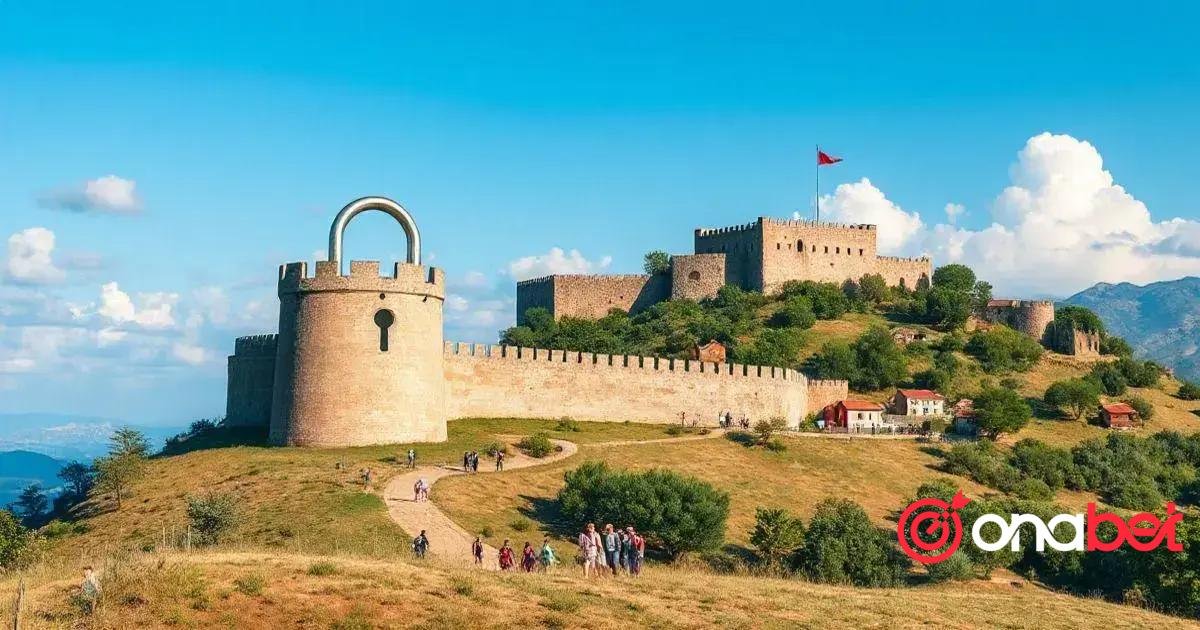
x=695, y=275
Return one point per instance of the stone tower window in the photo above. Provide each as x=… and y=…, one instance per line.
x=778, y=246
x=800, y=245
x=384, y=320
x=695, y=275
x=838, y=250
x=860, y=252
x=826, y=249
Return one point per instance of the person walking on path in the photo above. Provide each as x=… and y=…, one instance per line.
x=529, y=559
x=612, y=548
x=506, y=556
x=420, y=545
x=466, y=461
x=589, y=549
x=412, y=458
x=477, y=551
x=639, y=552
x=546, y=556
x=499, y=461
x=626, y=545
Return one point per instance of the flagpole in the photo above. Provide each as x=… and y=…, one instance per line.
x=817, y=188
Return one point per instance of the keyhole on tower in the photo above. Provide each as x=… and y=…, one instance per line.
x=384, y=320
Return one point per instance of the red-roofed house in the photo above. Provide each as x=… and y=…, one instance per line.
x=854, y=415
x=1118, y=415
x=964, y=417
x=918, y=402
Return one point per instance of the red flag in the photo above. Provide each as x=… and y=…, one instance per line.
x=824, y=159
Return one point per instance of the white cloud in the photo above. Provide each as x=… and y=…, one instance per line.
x=108, y=194
x=555, y=261
x=29, y=257
x=953, y=211
x=189, y=353
x=153, y=310
x=862, y=202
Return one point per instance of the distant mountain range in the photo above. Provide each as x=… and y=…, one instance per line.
x=1160, y=320
x=21, y=468
x=67, y=437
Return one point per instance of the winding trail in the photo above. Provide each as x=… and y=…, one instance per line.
x=449, y=542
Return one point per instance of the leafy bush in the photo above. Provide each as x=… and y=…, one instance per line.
x=493, y=447
x=212, y=515
x=1075, y=397
x=775, y=446
x=796, y=312
x=1002, y=349
x=1188, y=391
x=827, y=299
x=766, y=428
x=776, y=535
x=656, y=261
x=521, y=525
x=569, y=425
x=842, y=546
x=1080, y=317
x=15, y=540
x=1139, y=373
x=678, y=514
x=999, y=410
x=1143, y=407
x=1115, y=346
x=1053, y=466
x=250, y=585
x=536, y=445
x=874, y=361
x=674, y=430
x=957, y=567
x=1109, y=378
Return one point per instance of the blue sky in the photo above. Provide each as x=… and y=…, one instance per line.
x=515, y=128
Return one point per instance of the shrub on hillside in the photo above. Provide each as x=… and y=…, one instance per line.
x=842, y=546
x=1000, y=410
x=676, y=513
x=796, y=312
x=1115, y=346
x=1188, y=391
x=536, y=445
x=1074, y=397
x=1109, y=378
x=567, y=424
x=1038, y=460
x=955, y=568
x=873, y=361
x=766, y=428
x=1140, y=373
x=828, y=300
x=211, y=516
x=775, y=346
x=15, y=540
x=495, y=446
x=835, y=361
x=1002, y=349
x=776, y=535
x=1143, y=407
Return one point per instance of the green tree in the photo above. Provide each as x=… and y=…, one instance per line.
x=954, y=277
x=836, y=361
x=949, y=308
x=1115, y=346
x=212, y=515
x=124, y=464
x=873, y=289
x=78, y=477
x=14, y=540
x=766, y=428
x=676, y=513
x=1075, y=397
x=1188, y=391
x=776, y=535
x=828, y=299
x=999, y=410
x=796, y=312
x=842, y=546
x=881, y=363
x=656, y=261
x=1140, y=373
x=1082, y=318
x=1002, y=349
x=32, y=504
x=1143, y=407
x=1109, y=378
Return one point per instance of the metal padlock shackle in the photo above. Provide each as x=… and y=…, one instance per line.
x=383, y=204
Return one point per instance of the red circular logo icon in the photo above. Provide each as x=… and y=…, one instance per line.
x=930, y=530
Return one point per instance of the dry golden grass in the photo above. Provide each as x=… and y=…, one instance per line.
x=878, y=474
x=297, y=499
x=209, y=590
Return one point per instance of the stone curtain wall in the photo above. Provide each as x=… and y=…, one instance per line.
x=505, y=381
x=911, y=273
x=592, y=296
x=822, y=393
x=251, y=381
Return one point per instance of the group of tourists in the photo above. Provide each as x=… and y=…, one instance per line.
x=421, y=490
x=471, y=461
x=541, y=560
x=614, y=550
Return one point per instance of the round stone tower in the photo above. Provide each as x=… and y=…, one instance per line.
x=359, y=356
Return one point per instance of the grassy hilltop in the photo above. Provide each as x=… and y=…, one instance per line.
x=311, y=548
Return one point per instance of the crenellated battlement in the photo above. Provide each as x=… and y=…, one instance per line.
x=727, y=230
x=656, y=364
x=806, y=223
x=920, y=259
x=364, y=276
x=255, y=345
x=580, y=276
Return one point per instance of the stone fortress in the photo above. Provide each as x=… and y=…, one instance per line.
x=359, y=358
x=759, y=256
x=1036, y=319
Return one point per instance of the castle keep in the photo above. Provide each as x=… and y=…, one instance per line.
x=360, y=359
x=759, y=256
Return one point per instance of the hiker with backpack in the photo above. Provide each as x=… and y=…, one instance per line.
x=506, y=556
x=420, y=545
x=477, y=551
